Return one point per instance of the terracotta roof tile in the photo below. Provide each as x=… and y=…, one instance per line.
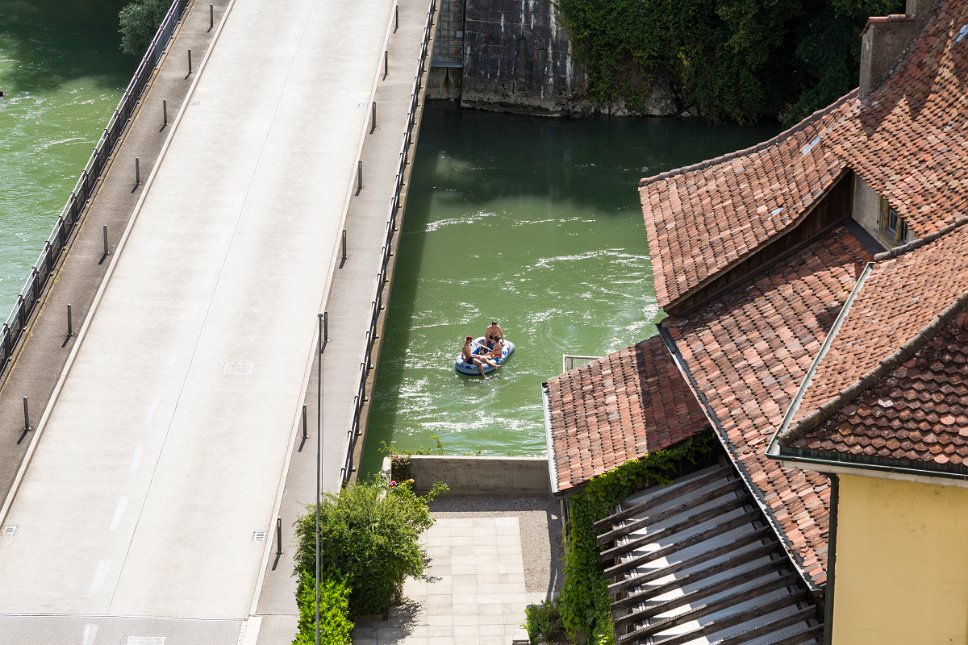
x=747, y=352
x=909, y=141
x=896, y=365
x=620, y=407
x=900, y=298
x=702, y=219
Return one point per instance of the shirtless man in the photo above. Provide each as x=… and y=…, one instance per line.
x=471, y=358
x=493, y=333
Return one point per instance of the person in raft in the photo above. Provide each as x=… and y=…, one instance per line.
x=476, y=359
x=493, y=334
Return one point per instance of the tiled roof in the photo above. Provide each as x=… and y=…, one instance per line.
x=909, y=141
x=747, y=353
x=702, y=219
x=620, y=407
x=898, y=307
x=917, y=413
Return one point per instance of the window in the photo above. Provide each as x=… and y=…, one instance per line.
x=891, y=224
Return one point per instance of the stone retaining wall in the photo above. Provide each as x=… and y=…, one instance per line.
x=511, y=476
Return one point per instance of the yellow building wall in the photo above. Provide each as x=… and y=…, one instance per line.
x=902, y=563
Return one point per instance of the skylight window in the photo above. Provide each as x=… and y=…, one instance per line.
x=807, y=148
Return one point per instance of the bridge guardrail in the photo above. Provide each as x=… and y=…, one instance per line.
x=359, y=398
x=42, y=270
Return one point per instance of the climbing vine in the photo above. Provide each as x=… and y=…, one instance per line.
x=736, y=60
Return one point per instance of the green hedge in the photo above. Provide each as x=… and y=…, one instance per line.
x=584, y=601
x=335, y=626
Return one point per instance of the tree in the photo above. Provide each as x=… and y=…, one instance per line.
x=138, y=23
x=369, y=534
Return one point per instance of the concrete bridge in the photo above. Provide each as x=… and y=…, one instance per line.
x=166, y=436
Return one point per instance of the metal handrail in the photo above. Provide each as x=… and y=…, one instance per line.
x=381, y=280
x=40, y=273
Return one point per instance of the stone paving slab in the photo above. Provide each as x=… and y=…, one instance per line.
x=472, y=592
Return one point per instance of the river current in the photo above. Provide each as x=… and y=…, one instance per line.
x=535, y=223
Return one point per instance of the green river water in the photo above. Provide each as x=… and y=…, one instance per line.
x=533, y=222
x=62, y=75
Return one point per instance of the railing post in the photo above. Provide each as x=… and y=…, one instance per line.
x=325, y=341
x=7, y=343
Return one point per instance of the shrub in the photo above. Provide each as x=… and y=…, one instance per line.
x=544, y=623
x=138, y=23
x=584, y=601
x=369, y=535
x=335, y=626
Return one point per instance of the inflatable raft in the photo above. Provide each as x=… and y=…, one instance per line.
x=478, y=347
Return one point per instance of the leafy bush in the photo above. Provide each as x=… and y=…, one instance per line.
x=369, y=536
x=544, y=623
x=139, y=21
x=738, y=60
x=335, y=626
x=584, y=601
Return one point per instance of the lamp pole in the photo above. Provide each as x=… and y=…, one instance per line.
x=319, y=461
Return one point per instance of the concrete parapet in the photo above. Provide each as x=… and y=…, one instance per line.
x=496, y=476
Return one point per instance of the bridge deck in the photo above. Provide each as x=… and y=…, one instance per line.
x=168, y=441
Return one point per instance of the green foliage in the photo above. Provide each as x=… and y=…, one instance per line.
x=369, y=535
x=335, y=626
x=584, y=601
x=139, y=21
x=740, y=60
x=544, y=623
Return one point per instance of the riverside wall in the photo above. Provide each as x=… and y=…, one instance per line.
x=516, y=56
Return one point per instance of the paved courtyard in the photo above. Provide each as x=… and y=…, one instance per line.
x=473, y=590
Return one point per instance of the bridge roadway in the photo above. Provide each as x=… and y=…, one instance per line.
x=167, y=444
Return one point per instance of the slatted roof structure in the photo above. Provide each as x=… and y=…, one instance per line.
x=696, y=563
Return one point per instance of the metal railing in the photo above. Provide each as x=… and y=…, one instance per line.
x=42, y=270
x=366, y=364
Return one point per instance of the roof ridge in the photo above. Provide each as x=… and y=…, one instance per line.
x=802, y=125
x=885, y=367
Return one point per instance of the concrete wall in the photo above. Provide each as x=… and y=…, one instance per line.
x=866, y=211
x=483, y=475
x=517, y=55
x=902, y=563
